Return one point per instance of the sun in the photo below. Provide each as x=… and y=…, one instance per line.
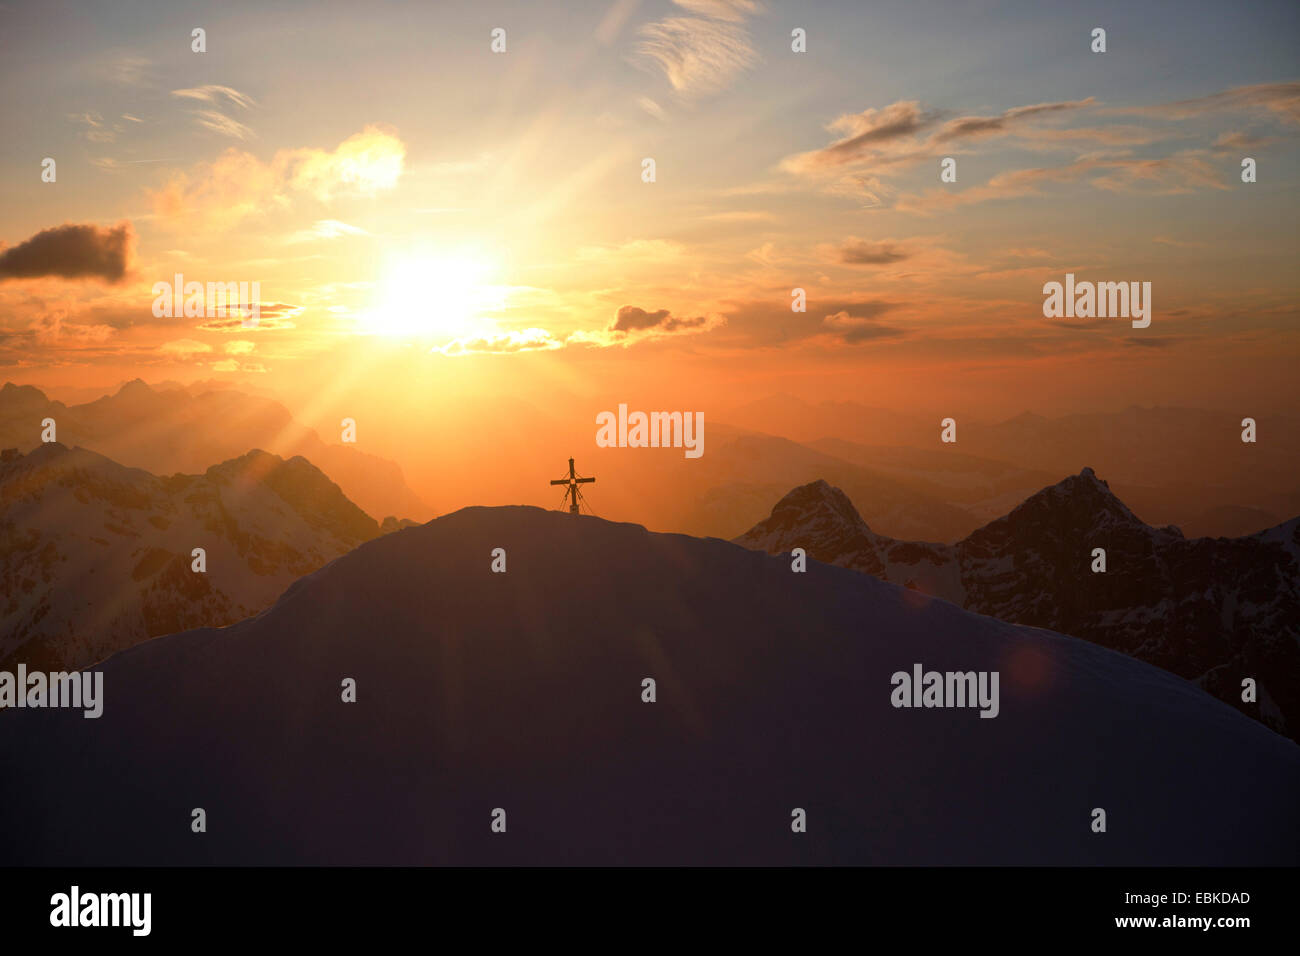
x=435, y=297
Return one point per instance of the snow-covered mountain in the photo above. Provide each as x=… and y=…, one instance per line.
x=178, y=428
x=523, y=692
x=96, y=557
x=1212, y=610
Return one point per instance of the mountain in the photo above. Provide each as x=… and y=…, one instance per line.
x=1212, y=610
x=523, y=691
x=1185, y=466
x=733, y=484
x=166, y=430
x=96, y=557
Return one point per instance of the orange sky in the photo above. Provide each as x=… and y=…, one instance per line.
x=429, y=221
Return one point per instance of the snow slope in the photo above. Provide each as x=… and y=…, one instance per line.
x=95, y=556
x=1212, y=610
x=522, y=691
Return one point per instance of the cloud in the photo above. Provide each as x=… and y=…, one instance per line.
x=521, y=340
x=1236, y=142
x=213, y=118
x=862, y=252
x=72, y=251
x=867, y=136
x=854, y=329
x=240, y=347
x=126, y=70
x=740, y=215
x=1164, y=342
x=218, y=195
x=733, y=10
x=634, y=251
x=223, y=124
x=184, y=348
x=1281, y=99
x=216, y=95
x=231, y=365
x=767, y=322
x=274, y=316
x=326, y=229
x=1113, y=135
x=651, y=107
x=978, y=127
x=632, y=319
x=363, y=164
x=612, y=23
x=892, y=135
x=96, y=131
x=1171, y=175
x=697, y=56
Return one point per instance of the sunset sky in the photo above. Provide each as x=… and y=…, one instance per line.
x=430, y=221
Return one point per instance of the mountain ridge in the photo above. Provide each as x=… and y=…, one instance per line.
x=524, y=691
x=1236, y=613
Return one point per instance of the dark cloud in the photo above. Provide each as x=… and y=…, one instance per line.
x=853, y=329
x=1150, y=343
x=272, y=315
x=632, y=319
x=71, y=251
x=871, y=129
x=899, y=134
x=1076, y=324
x=861, y=252
x=768, y=322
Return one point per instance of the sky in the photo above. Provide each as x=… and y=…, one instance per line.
x=431, y=222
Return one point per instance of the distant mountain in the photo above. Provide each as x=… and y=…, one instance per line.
x=523, y=692
x=734, y=483
x=96, y=557
x=1214, y=611
x=1186, y=466
x=983, y=487
x=171, y=429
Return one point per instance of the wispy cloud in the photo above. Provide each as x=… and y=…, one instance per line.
x=892, y=135
x=126, y=69
x=1280, y=99
x=324, y=229
x=216, y=95
x=611, y=24
x=703, y=54
x=213, y=118
x=519, y=340
x=223, y=124
x=1170, y=175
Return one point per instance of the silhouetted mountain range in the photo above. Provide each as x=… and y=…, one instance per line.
x=96, y=557
x=523, y=691
x=179, y=429
x=1186, y=466
x=1212, y=610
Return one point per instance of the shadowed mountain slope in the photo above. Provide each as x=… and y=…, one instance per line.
x=523, y=691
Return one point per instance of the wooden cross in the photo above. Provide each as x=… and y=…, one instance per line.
x=571, y=493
